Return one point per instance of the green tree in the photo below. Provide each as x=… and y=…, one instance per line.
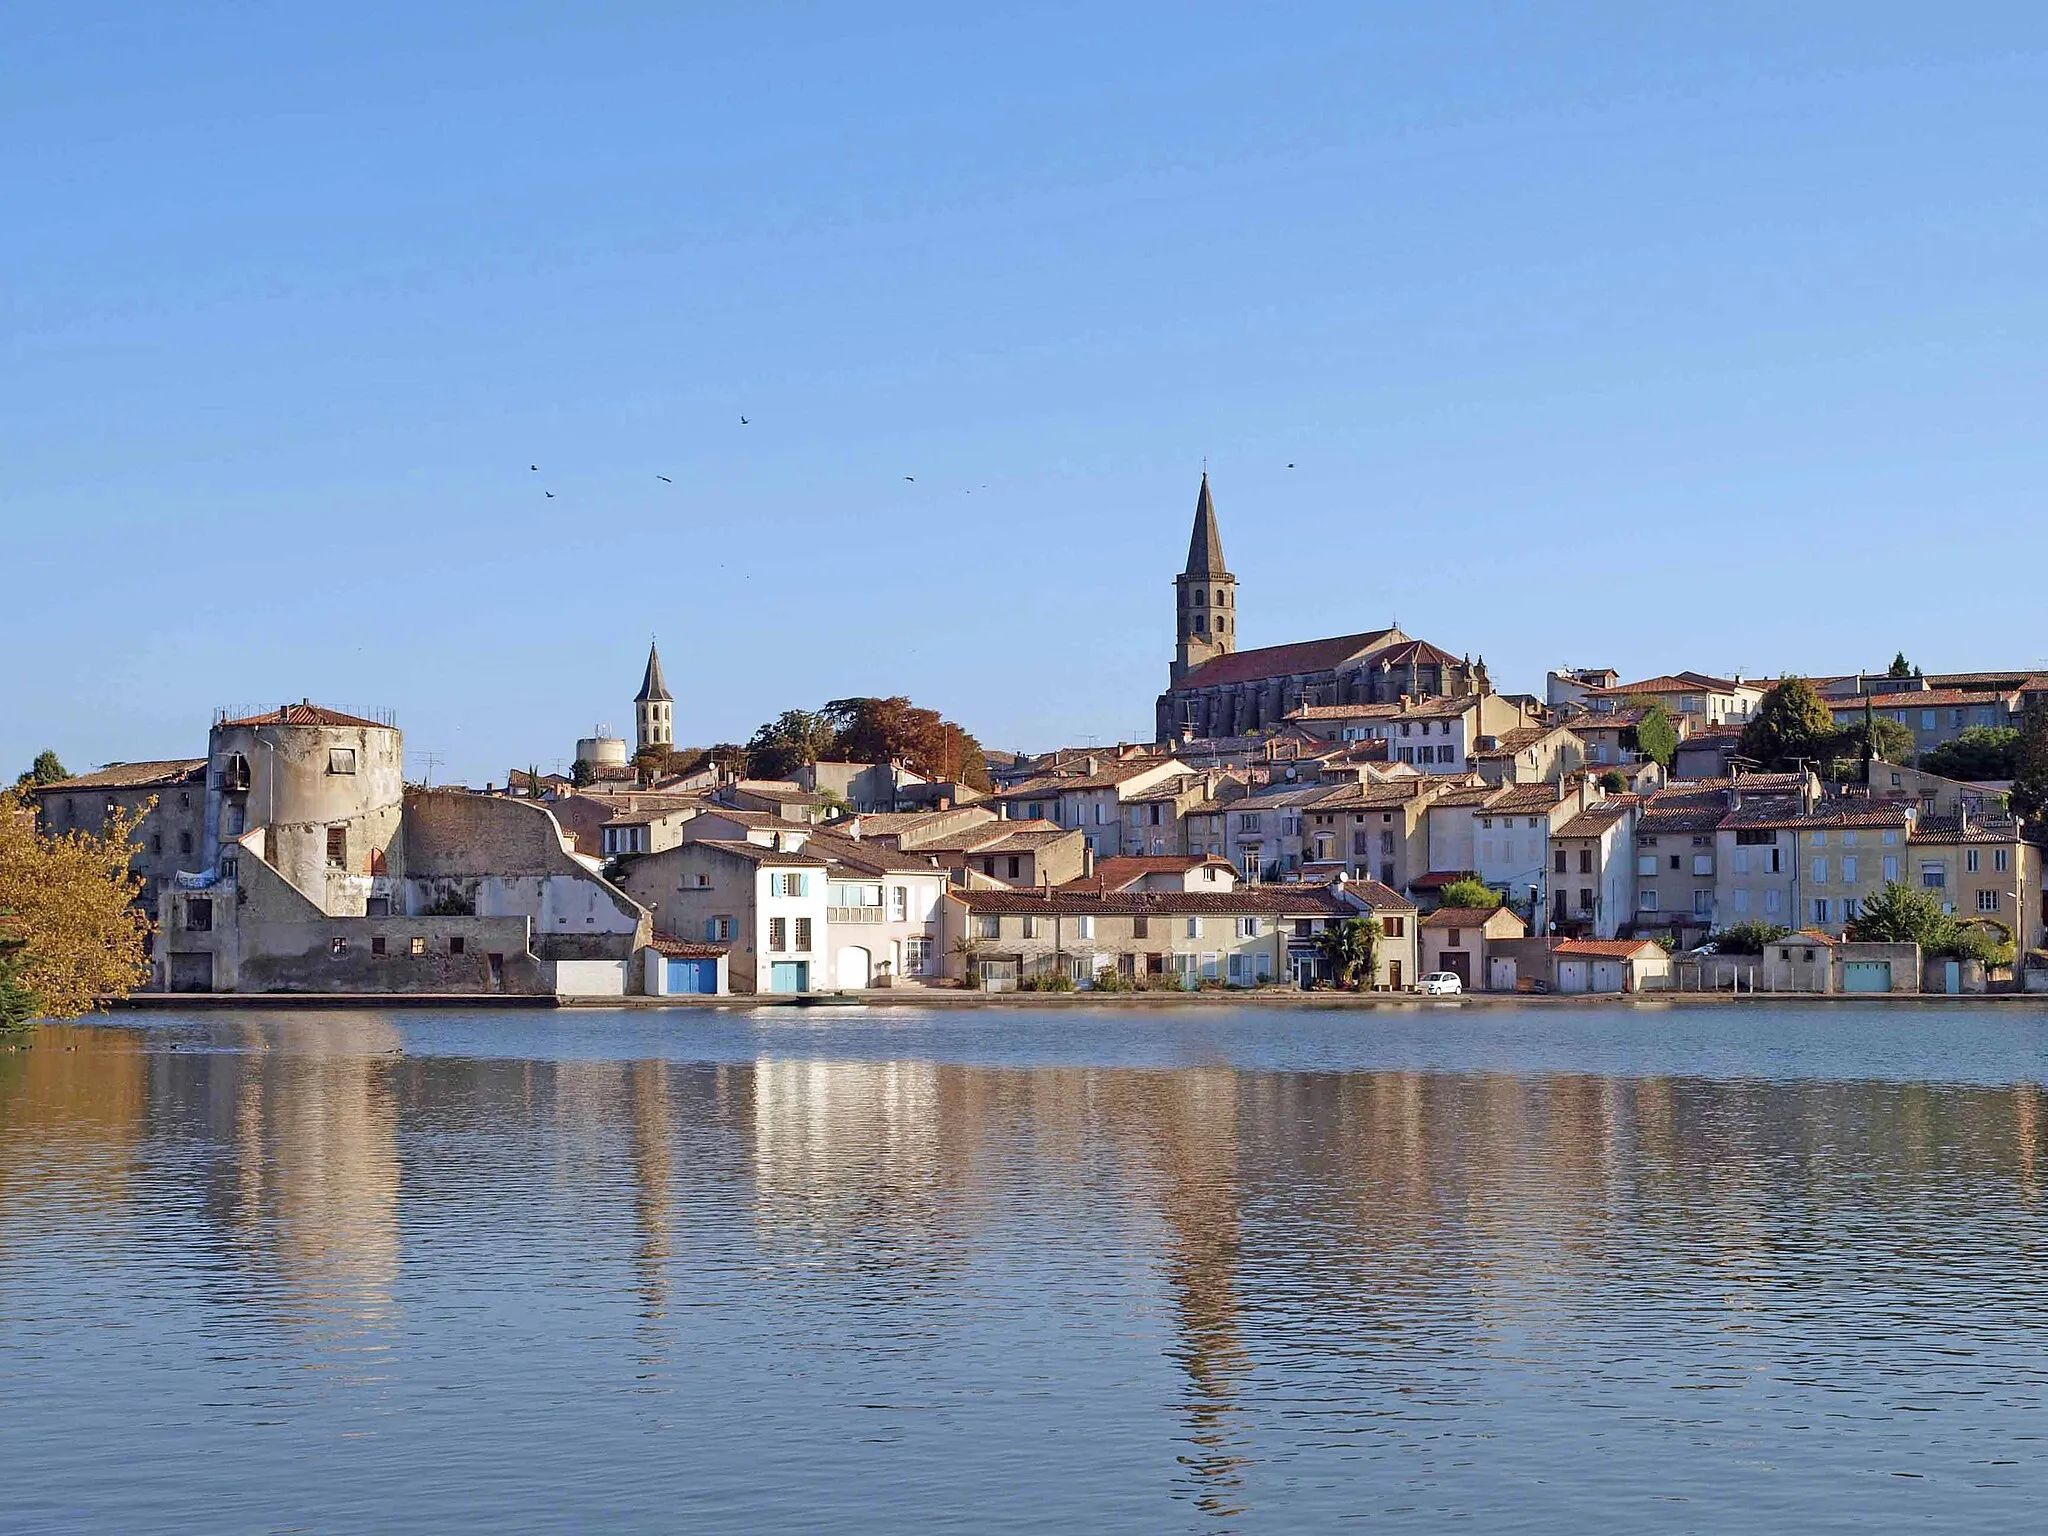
x=1351, y=945
x=581, y=773
x=45, y=770
x=1900, y=667
x=1746, y=938
x=1900, y=914
x=1791, y=726
x=1473, y=893
x=1614, y=782
x=2030, y=766
x=19, y=1004
x=1656, y=736
x=1981, y=752
x=790, y=742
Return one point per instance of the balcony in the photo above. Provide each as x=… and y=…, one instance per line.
x=855, y=915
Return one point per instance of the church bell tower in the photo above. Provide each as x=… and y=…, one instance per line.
x=1205, y=595
x=653, y=708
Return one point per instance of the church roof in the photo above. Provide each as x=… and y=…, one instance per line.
x=1304, y=656
x=652, y=689
x=1205, y=544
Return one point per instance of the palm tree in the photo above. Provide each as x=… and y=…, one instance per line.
x=1351, y=946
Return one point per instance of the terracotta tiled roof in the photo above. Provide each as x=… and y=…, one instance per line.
x=308, y=714
x=1467, y=917
x=1921, y=698
x=1282, y=900
x=1939, y=830
x=1788, y=811
x=1437, y=879
x=1526, y=800
x=1683, y=808
x=1464, y=796
x=1115, y=873
x=873, y=858
x=1594, y=820
x=1303, y=657
x=1414, y=709
x=680, y=949
x=1601, y=949
x=176, y=770
x=1676, y=682
x=755, y=853
x=1508, y=743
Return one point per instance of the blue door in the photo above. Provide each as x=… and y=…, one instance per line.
x=687, y=976
x=789, y=976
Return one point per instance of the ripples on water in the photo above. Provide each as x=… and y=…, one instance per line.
x=1678, y=1269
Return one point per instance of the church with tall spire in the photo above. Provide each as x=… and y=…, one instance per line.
x=1214, y=689
x=654, y=722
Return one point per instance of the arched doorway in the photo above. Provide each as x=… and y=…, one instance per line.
x=856, y=966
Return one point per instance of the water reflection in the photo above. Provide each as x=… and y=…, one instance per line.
x=1255, y=1297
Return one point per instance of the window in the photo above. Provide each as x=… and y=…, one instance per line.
x=988, y=866
x=1703, y=863
x=341, y=759
x=1933, y=877
x=230, y=866
x=1820, y=915
x=1970, y=860
x=1741, y=862
x=1084, y=927
x=1647, y=901
x=1891, y=868
x=988, y=926
x=337, y=847
x=234, y=773
x=795, y=885
x=899, y=903
x=1754, y=838
x=1394, y=927
x=778, y=933
x=156, y=842
x=376, y=943
x=1194, y=927
x=1891, y=837
x=199, y=914
x=1676, y=862
x=1486, y=822
x=1848, y=869
x=457, y=945
x=1558, y=860
x=184, y=842
x=1141, y=927
x=703, y=882
x=1999, y=859
x=1849, y=837
x=1702, y=903
x=1030, y=927
x=1741, y=900
x=1646, y=864
x=1585, y=861
x=803, y=935
x=1774, y=901
x=917, y=955
x=1820, y=871
x=1248, y=822
x=1248, y=927
x=1926, y=719
x=1987, y=901
x=1386, y=845
x=1585, y=899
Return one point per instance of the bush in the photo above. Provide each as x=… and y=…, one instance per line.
x=1047, y=981
x=1473, y=893
x=1746, y=938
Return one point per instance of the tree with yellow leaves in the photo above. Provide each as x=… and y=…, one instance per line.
x=69, y=907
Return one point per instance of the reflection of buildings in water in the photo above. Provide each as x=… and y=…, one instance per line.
x=2026, y=1100
x=849, y=1149
x=653, y=1171
x=72, y=1114
x=318, y=1171
x=1181, y=1127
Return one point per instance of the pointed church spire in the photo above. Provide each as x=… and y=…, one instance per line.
x=1205, y=545
x=652, y=689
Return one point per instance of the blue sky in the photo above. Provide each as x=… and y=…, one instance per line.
x=1706, y=335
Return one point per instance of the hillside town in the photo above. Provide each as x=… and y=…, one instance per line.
x=1363, y=811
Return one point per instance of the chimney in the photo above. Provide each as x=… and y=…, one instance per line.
x=1087, y=860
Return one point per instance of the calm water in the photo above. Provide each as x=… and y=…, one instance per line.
x=1266, y=1271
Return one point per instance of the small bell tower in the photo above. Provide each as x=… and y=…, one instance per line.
x=1205, y=595
x=653, y=709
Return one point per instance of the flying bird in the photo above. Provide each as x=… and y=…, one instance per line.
x=664, y=479
x=911, y=478
x=550, y=495
x=1290, y=466
x=534, y=467
x=743, y=421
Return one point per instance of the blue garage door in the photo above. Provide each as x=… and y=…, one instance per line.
x=1867, y=976
x=789, y=976
x=692, y=976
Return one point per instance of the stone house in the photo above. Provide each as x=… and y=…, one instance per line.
x=1592, y=877
x=1933, y=715
x=1530, y=754
x=883, y=912
x=1676, y=881
x=1984, y=869
x=1435, y=735
x=1788, y=860
x=765, y=906
x=1461, y=940
x=169, y=797
x=1693, y=700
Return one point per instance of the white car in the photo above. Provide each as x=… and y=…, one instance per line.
x=1440, y=984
